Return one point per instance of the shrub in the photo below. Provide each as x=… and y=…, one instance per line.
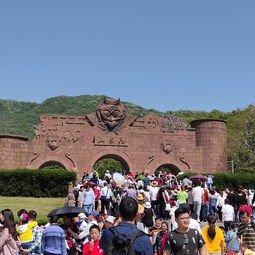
x=45, y=182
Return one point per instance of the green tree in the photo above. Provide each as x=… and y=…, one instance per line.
x=110, y=164
x=241, y=140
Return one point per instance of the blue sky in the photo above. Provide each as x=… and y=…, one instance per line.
x=166, y=55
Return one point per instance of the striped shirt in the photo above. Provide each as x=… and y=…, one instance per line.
x=247, y=234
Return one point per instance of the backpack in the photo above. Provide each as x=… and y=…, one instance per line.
x=213, y=201
x=122, y=245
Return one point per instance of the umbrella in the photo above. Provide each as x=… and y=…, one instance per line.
x=52, y=213
x=67, y=210
x=118, y=178
x=198, y=177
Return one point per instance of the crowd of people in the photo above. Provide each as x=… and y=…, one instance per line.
x=143, y=215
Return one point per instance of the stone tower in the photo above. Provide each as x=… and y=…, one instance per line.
x=211, y=135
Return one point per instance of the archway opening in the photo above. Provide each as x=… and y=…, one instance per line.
x=169, y=168
x=113, y=163
x=52, y=165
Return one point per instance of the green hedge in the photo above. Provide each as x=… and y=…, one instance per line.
x=45, y=182
x=228, y=180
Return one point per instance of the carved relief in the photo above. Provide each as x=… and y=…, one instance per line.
x=151, y=121
x=167, y=146
x=53, y=141
x=35, y=156
x=68, y=155
x=56, y=132
x=181, y=157
x=111, y=114
x=71, y=137
x=151, y=158
x=40, y=131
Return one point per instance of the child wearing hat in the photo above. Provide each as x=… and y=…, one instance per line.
x=25, y=231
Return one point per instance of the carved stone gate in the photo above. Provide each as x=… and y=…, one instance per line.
x=143, y=144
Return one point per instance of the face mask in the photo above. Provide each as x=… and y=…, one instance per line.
x=79, y=223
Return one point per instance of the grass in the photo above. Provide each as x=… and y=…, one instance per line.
x=41, y=205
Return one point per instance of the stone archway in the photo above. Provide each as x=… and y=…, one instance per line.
x=124, y=165
x=51, y=164
x=170, y=168
x=116, y=157
x=142, y=144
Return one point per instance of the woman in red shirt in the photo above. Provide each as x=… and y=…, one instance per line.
x=92, y=247
x=97, y=194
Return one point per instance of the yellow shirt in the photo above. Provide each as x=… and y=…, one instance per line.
x=25, y=231
x=215, y=245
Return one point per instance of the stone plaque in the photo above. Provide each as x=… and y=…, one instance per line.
x=107, y=140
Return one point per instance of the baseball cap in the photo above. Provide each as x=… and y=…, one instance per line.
x=110, y=219
x=82, y=216
x=94, y=213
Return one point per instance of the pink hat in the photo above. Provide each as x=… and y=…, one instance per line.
x=23, y=217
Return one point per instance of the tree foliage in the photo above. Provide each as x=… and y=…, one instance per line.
x=110, y=164
x=241, y=139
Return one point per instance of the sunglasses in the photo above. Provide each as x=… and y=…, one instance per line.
x=185, y=239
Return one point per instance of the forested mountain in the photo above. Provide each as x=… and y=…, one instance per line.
x=20, y=117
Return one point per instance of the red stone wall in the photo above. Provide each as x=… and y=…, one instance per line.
x=14, y=151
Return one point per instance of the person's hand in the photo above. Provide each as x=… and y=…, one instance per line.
x=69, y=230
x=25, y=251
x=18, y=243
x=91, y=245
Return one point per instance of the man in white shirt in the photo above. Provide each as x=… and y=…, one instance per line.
x=197, y=193
x=153, y=196
x=228, y=214
x=107, y=174
x=106, y=196
x=219, y=204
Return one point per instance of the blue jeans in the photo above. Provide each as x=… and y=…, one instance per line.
x=88, y=208
x=197, y=208
x=204, y=212
x=26, y=245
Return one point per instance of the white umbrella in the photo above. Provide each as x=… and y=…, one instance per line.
x=118, y=178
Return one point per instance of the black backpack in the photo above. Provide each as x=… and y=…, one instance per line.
x=122, y=245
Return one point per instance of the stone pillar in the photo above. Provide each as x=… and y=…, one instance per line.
x=70, y=187
x=211, y=135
